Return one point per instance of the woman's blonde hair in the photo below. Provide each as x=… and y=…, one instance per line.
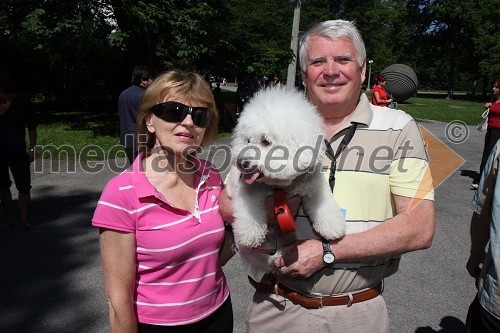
x=175, y=86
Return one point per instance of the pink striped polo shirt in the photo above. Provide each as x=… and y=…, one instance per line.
x=179, y=279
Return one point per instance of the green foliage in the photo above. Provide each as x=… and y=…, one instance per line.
x=77, y=52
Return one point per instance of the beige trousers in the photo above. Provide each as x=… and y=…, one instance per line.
x=272, y=313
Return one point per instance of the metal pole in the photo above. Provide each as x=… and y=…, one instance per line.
x=292, y=67
x=369, y=74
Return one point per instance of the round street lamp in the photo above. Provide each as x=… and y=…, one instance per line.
x=369, y=74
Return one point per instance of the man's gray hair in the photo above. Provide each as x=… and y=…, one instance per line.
x=334, y=29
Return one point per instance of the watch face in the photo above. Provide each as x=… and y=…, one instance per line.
x=328, y=258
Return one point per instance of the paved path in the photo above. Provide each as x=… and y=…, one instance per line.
x=52, y=282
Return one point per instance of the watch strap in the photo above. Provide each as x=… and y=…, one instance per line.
x=326, y=246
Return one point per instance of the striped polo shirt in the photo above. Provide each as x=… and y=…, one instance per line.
x=386, y=156
x=178, y=279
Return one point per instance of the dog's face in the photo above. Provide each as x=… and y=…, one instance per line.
x=279, y=136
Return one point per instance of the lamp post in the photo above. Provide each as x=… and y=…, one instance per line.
x=292, y=67
x=369, y=74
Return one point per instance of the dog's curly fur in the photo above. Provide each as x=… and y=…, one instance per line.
x=279, y=143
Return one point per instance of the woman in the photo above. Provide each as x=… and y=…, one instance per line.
x=161, y=233
x=379, y=95
x=493, y=131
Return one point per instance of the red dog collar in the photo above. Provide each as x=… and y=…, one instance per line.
x=285, y=218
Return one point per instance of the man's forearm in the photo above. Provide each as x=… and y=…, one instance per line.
x=406, y=232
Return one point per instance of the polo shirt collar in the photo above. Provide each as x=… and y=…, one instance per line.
x=143, y=186
x=362, y=115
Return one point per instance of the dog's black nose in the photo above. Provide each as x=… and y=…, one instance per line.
x=242, y=163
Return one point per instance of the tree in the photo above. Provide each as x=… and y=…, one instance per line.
x=485, y=42
x=77, y=51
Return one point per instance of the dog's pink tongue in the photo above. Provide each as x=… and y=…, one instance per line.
x=251, y=177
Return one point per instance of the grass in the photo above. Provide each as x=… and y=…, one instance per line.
x=445, y=110
x=87, y=136
x=94, y=135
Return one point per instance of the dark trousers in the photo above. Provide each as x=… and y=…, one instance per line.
x=221, y=321
x=479, y=320
x=19, y=164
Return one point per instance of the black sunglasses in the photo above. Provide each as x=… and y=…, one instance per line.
x=175, y=112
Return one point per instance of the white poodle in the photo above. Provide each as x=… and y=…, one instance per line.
x=278, y=143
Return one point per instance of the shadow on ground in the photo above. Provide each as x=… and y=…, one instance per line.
x=448, y=324
x=44, y=280
x=469, y=173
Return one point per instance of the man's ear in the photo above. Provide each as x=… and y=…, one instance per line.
x=303, y=77
x=363, y=72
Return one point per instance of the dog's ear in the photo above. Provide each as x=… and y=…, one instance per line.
x=233, y=181
x=307, y=157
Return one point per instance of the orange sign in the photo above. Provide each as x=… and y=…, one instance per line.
x=444, y=161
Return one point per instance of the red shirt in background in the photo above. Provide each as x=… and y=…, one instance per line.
x=382, y=95
x=494, y=116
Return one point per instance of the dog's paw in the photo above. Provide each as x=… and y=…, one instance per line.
x=330, y=229
x=258, y=262
x=326, y=217
x=249, y=234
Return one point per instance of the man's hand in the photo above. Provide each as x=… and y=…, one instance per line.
x=31, y=154
x=304, y=258
x=473, y=266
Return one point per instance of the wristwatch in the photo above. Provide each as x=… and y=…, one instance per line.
x=328, y=256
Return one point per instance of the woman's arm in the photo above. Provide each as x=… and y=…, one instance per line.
x=225, y=207
x=479, y=235
x=228, y=248
x=377, y=98
x=380, y=100
x=118, y=261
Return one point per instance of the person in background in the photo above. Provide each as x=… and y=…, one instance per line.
x=336, y=286
x=493, y=131
x=484, y=265
x=380, y=97
x=16, y=115
x=163, y=241
x=128, y=105
x=274, y=81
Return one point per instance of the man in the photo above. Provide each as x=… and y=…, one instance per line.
x=381, y=180
x=15, y=116
x=484, y=312
x=128, y=105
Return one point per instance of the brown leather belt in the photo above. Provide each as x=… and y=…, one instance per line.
x=277, y=288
